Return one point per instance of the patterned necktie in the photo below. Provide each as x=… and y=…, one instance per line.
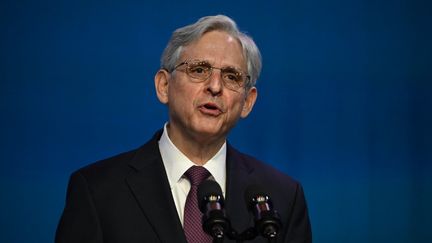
x=192, y=215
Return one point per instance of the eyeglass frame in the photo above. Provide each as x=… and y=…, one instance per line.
x=245, y=82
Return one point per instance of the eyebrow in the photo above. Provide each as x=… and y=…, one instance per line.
x=208, y=62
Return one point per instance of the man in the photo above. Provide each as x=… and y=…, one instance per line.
x=207, y=80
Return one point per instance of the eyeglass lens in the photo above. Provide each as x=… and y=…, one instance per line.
x=202, y=70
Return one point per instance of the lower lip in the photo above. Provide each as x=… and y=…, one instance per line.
x=210, y=112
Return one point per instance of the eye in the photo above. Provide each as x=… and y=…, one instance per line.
x=199, y=68
x=232, y=75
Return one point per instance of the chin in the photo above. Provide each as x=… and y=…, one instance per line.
x=209, y=130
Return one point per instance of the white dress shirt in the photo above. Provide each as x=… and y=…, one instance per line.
x=176, y=164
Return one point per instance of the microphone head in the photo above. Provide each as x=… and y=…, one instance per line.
x=209, y=190
x=252, y=192
x=211, y=204
x=267, y=220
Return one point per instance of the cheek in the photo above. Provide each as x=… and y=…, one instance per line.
x=237, y=105
x=183, y=97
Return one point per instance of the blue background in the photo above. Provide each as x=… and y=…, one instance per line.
x=344, y=104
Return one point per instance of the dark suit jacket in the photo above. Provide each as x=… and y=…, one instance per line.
x=127, y=199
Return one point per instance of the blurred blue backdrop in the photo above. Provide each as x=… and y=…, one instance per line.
x=344, y=104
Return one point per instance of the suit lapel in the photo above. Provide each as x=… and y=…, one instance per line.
x=150, y=186
x=238, y=179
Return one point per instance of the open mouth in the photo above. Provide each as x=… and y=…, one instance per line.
x=210, y=109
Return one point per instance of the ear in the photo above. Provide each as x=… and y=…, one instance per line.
x=250, y=99
x=161, y=85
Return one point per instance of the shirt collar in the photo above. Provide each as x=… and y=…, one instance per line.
x=176, y=163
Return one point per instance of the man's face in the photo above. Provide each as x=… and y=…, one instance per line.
x=207, y=110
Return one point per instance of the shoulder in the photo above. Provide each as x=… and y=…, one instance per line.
x=109, y=167
x=275, y=181
x=258, y=167
x=119, y=166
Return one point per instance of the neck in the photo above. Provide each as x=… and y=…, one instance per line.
x=197, y=148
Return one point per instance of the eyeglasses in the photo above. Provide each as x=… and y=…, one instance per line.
x=200, y=71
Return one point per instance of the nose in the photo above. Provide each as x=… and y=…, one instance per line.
x=215, y=83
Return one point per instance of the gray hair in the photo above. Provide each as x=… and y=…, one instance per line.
x=186, y=35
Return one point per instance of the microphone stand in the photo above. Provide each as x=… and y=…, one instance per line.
x=247, y=235
x=217, y=240
x=218, y=234
x=271, y=240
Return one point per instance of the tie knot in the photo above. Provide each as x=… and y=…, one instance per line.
x=197, y=174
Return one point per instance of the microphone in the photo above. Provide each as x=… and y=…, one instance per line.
x=267, y=220
x=211, y=204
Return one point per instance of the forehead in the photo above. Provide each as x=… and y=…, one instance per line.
x=217, y=47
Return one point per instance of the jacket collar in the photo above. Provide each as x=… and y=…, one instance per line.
x=239, y=177
x=149, y=184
